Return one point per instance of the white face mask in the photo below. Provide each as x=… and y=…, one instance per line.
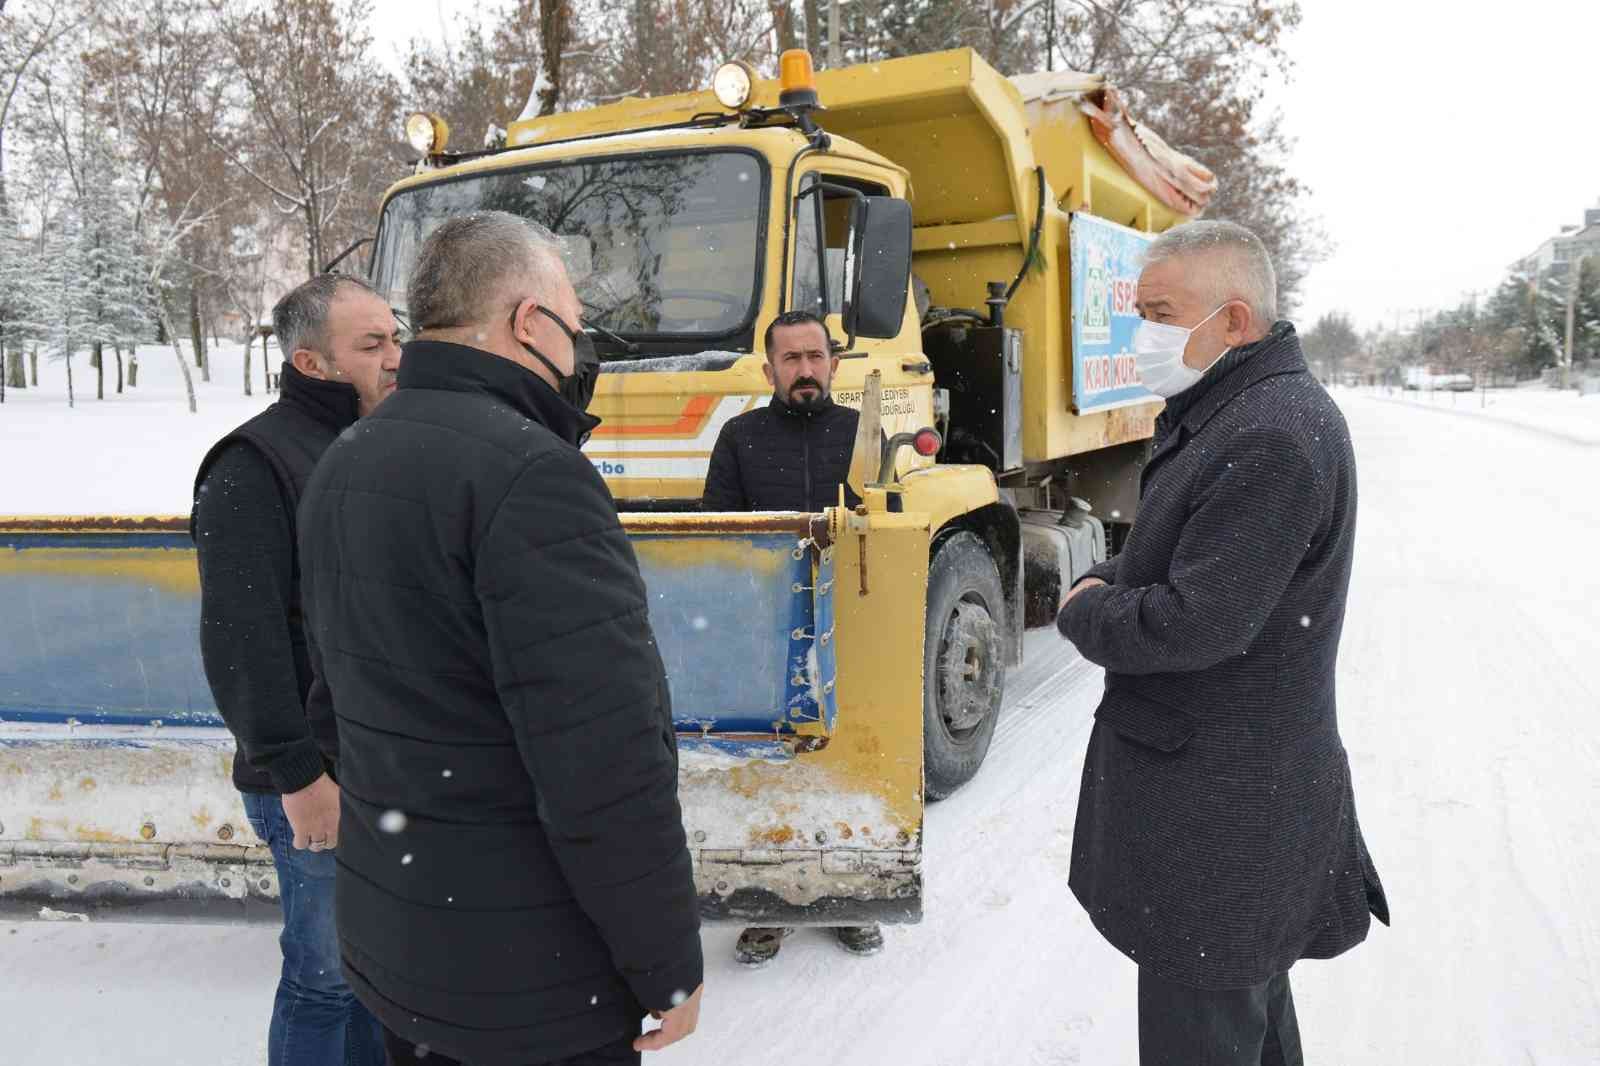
x=1158, y=349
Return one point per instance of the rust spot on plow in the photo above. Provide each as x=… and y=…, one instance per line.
x=814, y=526
x=781, y=834
x=95, y=836
x=845, y=832
x=95, y=524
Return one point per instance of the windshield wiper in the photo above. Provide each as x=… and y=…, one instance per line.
x=626, y=345
x=616, y=338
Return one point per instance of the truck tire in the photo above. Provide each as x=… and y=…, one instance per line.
x=963, y=675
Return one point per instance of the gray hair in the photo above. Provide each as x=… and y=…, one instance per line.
x=300, y=319
x=468, y=263
x=1242, y=267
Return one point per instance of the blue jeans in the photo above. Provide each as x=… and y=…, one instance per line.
x=316, y=1019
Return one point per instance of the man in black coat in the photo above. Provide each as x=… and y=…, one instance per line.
x=794, y=453
x=341, y=349
x=791, y=455
x=1216, y=840
x=515, y=885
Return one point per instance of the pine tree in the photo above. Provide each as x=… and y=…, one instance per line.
x=108, y=253
x=64, y=311
x=19, y=300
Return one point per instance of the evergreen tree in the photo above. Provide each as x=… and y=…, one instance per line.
x=108, y=256
x=64, y=310
x=1586, y=317
x=19, y=300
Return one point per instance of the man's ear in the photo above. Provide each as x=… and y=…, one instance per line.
x=519, y=315
x=833, y=368
x=1239, y=317
x=766, y=368
x=308, y=363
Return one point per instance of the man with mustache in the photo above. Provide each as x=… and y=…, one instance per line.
x=791, y=455
x=341, y=351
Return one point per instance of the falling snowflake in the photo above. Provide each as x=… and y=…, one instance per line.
x=1305, y=621
x=392, y=821
x=405, y=860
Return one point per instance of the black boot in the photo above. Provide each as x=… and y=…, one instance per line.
x=860, y=939
x=759, y=945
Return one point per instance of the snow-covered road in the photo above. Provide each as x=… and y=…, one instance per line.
x=1471, y=709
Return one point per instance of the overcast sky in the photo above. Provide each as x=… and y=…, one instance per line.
x=1440, y=143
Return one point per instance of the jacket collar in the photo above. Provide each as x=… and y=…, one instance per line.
x=451, y=367
x=1276, y=353
x=333, y=403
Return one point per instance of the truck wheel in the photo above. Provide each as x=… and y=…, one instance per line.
x=963, y=676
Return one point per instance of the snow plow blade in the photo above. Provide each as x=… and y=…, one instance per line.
x=793, y=647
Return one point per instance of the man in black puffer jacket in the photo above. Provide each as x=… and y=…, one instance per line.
x=794, y=453
x=514, y=882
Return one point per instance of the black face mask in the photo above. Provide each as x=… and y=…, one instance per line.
x=577, y=388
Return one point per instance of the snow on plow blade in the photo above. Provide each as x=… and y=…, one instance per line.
x=793, y=646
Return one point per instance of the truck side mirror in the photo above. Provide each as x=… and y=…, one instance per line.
x=877, y=267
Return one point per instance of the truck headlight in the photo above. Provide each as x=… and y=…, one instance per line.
x=733, y=83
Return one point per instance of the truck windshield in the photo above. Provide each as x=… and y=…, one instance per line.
x=659, y=246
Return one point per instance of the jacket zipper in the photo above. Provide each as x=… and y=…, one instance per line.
x=805, y=455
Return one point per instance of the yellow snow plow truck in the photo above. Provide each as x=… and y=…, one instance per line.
x=973, y=241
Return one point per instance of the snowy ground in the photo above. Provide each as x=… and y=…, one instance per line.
x=1562, y=414
x=1469, y=700
x=136, y=453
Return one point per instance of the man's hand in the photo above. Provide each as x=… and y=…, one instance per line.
x=1092, y=582
x=676, y=1024
x=313, y=814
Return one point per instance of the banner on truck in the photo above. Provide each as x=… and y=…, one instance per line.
x=1106, y=259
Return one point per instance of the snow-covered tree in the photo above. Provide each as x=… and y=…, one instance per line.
x=21, y=298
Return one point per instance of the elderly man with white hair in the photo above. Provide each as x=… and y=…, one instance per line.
x=1216, y=841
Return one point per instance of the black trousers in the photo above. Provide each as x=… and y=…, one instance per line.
x=1182, y=1026
x=403, y=1052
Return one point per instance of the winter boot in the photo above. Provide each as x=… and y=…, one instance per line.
x=759, y=946
x=860, y=940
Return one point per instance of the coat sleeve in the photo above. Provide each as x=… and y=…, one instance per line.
x=246, y=555
x=580, y=678
x=1253, y=518
x=1106, y=571
x=724, y=490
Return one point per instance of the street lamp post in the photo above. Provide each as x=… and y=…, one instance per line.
x=1572, y=309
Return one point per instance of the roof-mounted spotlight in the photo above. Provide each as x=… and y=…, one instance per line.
x=428, y=134
x=733, y=84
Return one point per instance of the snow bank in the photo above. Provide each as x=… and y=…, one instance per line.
x=136, y=453
x=1564, y=415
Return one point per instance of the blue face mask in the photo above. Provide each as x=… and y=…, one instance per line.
x=1158, y=349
